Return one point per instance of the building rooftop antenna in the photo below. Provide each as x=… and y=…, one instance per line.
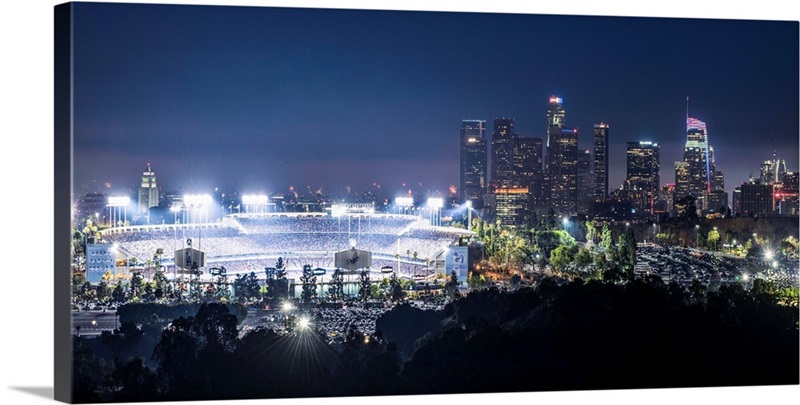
x=687, y=113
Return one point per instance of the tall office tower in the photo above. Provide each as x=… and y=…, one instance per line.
x=148, y=191
x=502, y=151
x=527, y=166
x=715, y=199
x=473, y=161
x=695, y=154
x=757, y=199
x=736, y=201
x=788, y=203
x=561, y=160
x=586, y=187
x=601, y=161
x=665, y=199
x=643, y=176
x=771, y=171
x=681, y=180
x=513, y=206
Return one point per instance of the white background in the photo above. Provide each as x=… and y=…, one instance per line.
x=26, y=195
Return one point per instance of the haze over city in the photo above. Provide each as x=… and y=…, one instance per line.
x=260, y=99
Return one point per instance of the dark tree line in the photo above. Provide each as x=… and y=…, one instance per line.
x=557, y=336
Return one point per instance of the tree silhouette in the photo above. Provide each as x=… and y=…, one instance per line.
x=364, y=285
x=336, y=288
x=309, y=281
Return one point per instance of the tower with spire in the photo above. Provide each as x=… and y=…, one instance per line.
x=148, y=191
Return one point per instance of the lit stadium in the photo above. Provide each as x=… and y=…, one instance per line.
x=249, y=242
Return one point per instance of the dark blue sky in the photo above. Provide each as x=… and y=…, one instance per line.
x=257, y=99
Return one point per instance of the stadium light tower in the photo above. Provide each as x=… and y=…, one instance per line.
x=260, y=201
x=197, y=203
x=469, y=214
x=114, y=205
x=404, y=203
x=175, y=210
x=435, y=204
x=338, y=210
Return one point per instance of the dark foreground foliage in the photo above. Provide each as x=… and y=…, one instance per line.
x=581, y=335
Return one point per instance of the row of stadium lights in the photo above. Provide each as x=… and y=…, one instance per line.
x=435, y=204
x=200, y=202
x=192, y=203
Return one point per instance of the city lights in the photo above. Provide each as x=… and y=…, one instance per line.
x=290, y=163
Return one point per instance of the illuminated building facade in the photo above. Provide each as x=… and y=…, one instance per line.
x=148, y=191
x=787, y=198
x=695, y=177
x=586, y=179
x=512, y=206
x=666, y=202
x=757, y=199
x=502, y=151
x=527, y=166
x=601, y=161
x=561, y=161
x=643, y=176
x=474, y=161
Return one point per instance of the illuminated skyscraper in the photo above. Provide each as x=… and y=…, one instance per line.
x=681, y=180
x=561, y=160
x=502, y=151
x=148, y=191
x=513, y=205
x=695, y=154
x=643, y=176
x=601, y=161
x=473, y=161
x=586, y=179
x=527, y=166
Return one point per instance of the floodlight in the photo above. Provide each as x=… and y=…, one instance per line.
x=175, y=208
x=566, y=221
x=435, y=203
x=287, y=306
x=338, y=210
x=121, y=201
x=197, y=200
x=304, y=322
x=768, y=254
x=251, y=199
x=404, y=201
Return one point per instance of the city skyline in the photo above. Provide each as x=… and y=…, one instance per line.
x=206, y=115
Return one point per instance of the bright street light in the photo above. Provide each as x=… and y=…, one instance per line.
x=287, y=306
x=304, y=323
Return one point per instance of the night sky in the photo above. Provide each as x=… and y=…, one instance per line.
x=258, y=99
